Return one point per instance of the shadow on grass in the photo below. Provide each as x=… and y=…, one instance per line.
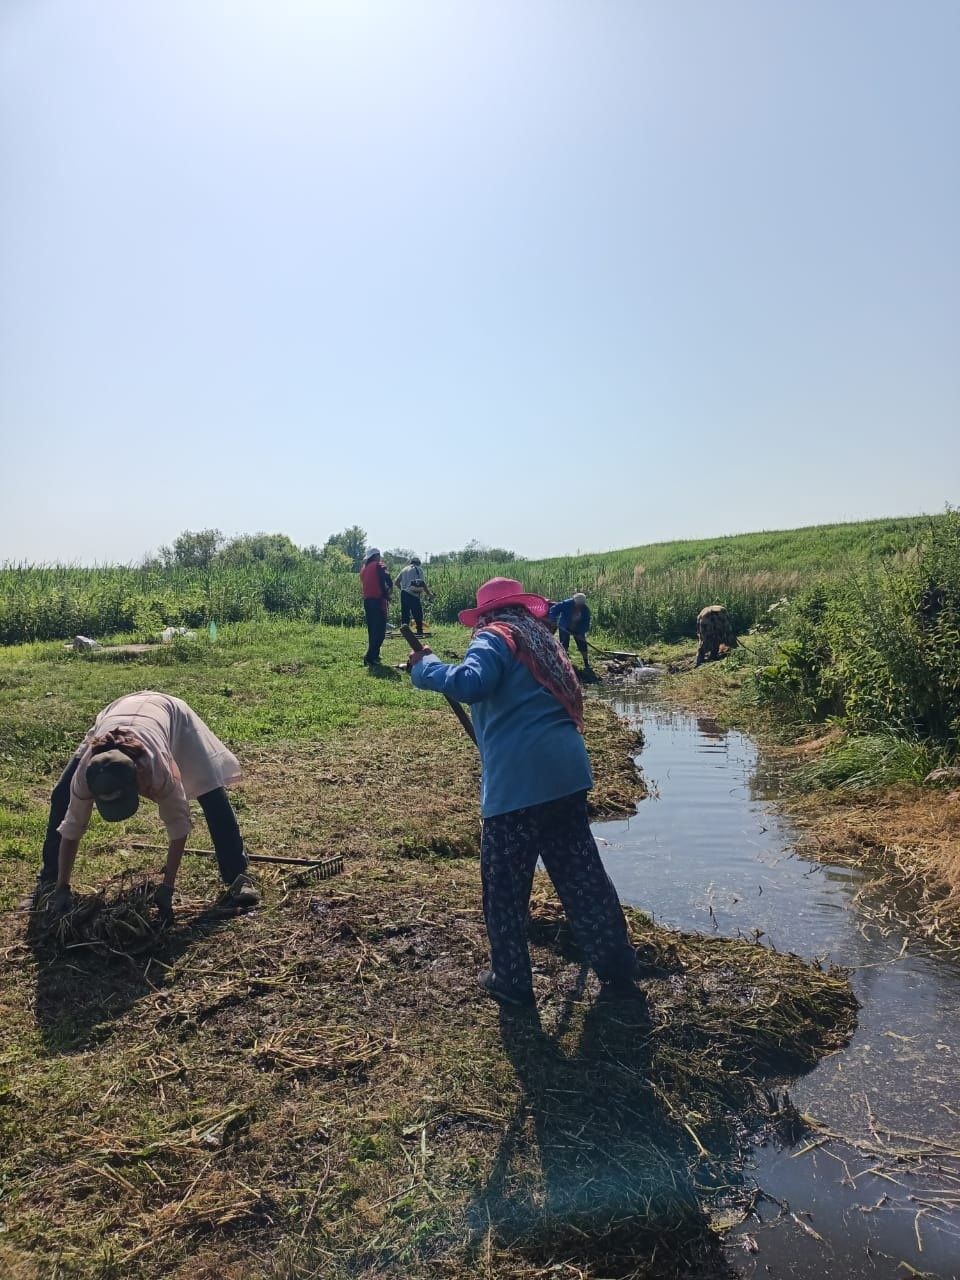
x=592, y=1171
x=80, y=991
x=380, y=672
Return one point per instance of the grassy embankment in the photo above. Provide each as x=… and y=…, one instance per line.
x=858, y=686
x=641, y=593
x=317, y=1089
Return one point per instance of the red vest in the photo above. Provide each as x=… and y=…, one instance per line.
x=370, y=581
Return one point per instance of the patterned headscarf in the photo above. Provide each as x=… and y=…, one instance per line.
x=533, y=644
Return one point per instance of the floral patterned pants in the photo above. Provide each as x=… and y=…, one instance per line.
x=559, y=833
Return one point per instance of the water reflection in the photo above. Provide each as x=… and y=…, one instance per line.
x=710, y=852
x=708, y=728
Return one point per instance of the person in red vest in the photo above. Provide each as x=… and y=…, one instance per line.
x=377, y=586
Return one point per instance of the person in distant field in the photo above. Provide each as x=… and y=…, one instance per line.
x=528, y=717
x=147, y=744
x=413, y=589
x=572, y=618
x=713, y=631
x=377, y=588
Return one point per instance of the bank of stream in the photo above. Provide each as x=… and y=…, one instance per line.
x=874, y=1189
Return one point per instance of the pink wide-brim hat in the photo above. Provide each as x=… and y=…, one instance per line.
x=498, y=593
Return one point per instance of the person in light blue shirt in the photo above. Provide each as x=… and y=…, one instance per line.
x=571, y=617
x=528, y=716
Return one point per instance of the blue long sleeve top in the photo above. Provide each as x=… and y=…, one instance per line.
x=530, y=749
x=562, y=615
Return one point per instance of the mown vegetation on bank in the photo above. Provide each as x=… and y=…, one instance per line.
x=641, y=593
x=319, y=1088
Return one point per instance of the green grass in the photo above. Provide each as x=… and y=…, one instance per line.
x=296, y=705
x=640, y=593
x=317, y=1088
x=869, y=762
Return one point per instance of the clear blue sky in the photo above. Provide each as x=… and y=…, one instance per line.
x=555, y=275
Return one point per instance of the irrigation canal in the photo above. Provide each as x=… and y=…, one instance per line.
x=711, y=852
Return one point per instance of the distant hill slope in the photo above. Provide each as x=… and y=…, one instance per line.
x=813, y=547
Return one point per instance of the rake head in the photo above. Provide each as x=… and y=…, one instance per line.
x=321, y=870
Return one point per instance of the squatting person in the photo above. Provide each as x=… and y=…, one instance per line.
x=377, y=587
x=572, y=618
x=148, y=744
x=528, y=717
x=413, y=589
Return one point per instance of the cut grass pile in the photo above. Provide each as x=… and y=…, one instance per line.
x=318, y=1088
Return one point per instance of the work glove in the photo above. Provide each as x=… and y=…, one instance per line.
x=60, y=901
x=163, y=901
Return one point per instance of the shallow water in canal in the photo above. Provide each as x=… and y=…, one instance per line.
x=709, y=852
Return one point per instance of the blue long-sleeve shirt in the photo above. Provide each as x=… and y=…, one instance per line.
x=562, y=615
x=530, y=749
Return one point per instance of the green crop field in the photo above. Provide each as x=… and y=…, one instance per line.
x=640, y=593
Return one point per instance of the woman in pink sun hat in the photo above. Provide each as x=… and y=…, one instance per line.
x=528, y=716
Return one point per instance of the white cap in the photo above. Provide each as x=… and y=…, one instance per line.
x=371, y=552
x=579, y=598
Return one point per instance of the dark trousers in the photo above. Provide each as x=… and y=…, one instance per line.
x=216, y=806
x=376, y=615
x=559, y=833
x=411, y=606
x=580, y=641
x=708, y=651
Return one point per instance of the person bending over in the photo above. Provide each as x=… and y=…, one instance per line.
x=147, y=744
x=572, y=618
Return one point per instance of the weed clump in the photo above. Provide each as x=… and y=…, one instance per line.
x=119, y=919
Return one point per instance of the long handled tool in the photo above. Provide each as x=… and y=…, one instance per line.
x=612, y=653
x=307, y=863
x=457, y=707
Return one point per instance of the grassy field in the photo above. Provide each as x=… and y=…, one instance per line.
x=641, y=593
x=381, y=766
x=317, y=1088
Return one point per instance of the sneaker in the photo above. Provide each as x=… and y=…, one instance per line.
x=243, y=893
x=504, y=994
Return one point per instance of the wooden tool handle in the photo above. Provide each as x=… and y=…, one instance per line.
x=411, y=639
x=457, y=708
x=251, y=857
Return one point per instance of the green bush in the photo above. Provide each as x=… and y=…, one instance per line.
x=879, y=650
